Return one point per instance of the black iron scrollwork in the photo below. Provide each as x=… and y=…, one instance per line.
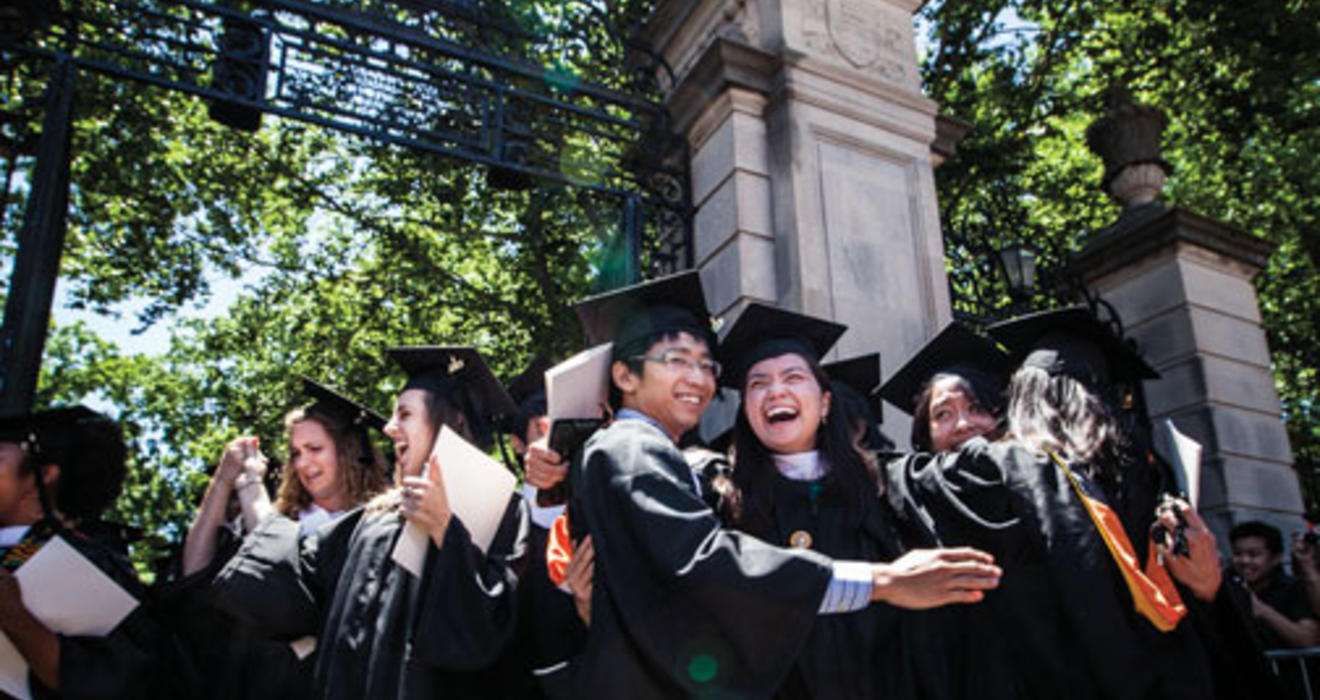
x=564, y=97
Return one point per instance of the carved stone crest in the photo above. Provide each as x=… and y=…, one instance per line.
x=855, y=29
x=861, y=33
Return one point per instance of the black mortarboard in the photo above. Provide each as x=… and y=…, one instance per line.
x=457, y=370
x=1074, y=343
x=862, y=374
x=332, y=403
x=530, y=381
x=528, y=393
x=951, y=349
x=632, y=314
x=763, y=331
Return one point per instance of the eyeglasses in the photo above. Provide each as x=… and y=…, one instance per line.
x=678, y=362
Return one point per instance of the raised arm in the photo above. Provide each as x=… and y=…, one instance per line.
x=200, y=543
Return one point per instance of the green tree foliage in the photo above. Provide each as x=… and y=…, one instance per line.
x=1240, y=85
x=344, y=247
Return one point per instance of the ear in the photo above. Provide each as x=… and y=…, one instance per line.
x=825, y=399
x=624, y=378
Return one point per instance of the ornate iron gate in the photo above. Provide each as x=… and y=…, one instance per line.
x=469, y=79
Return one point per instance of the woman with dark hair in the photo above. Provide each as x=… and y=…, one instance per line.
x=803, y=479
x=953, y=387
x=1091, y=602
x=385, y=632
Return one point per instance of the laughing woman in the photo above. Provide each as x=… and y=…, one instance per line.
x=800, y=481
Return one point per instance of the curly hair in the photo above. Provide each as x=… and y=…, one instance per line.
x=93, y=463
x=361, y=466
x=1061, y=414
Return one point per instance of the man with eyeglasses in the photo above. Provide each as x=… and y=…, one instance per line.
x=681, y=606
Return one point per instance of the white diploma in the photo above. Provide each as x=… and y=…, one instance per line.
x=70, y=596
x=479, y=489
x=1184, y=454
x=579, y=386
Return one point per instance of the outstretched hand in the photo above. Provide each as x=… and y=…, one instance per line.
x=929, y=578
x=426, y=503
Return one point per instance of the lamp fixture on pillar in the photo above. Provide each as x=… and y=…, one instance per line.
x=1019, y=263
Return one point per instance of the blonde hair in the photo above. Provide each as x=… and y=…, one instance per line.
x=361, y=466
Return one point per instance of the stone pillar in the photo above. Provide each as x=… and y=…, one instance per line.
x=1181, y=284
x=811, y=162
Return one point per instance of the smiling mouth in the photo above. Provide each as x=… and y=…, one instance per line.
x=691, y=400
x=781, y=414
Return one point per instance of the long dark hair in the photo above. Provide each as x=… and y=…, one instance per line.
x=982, y=388
x=1061, y=414
x=849, y=478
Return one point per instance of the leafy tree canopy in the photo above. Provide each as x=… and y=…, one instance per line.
x=1241, y=90
x=348, y=246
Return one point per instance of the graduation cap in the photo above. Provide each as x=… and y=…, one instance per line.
x=861, y=374
x=459, y=372
x=630, y=315
x=527, y=390
x=952, y=349
x=531, y=381
x=1074, y=343
x=329, y=402
x=764, y=331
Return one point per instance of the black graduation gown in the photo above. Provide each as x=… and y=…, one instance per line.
x=680, y=606
x=224, y=657
x=120, y=664
x=1062, y=622
x=550, y=632
x=382, y=632
x=852, y=655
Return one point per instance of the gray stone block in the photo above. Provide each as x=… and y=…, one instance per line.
x=741, y=204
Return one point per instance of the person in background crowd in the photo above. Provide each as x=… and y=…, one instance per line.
x=681, y=606
x=332, y=468
x=1305, y=566
x=1284, y=617
x=383, y=632
x=953, y=387
x=855, y=384
x=59, y=469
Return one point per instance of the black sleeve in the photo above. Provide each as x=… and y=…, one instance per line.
x=120, y=664
x=466, y=609
x=265, y=585
x=676, y=581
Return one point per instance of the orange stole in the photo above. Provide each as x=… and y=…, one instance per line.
x=558, y=550
x=1153, y=594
